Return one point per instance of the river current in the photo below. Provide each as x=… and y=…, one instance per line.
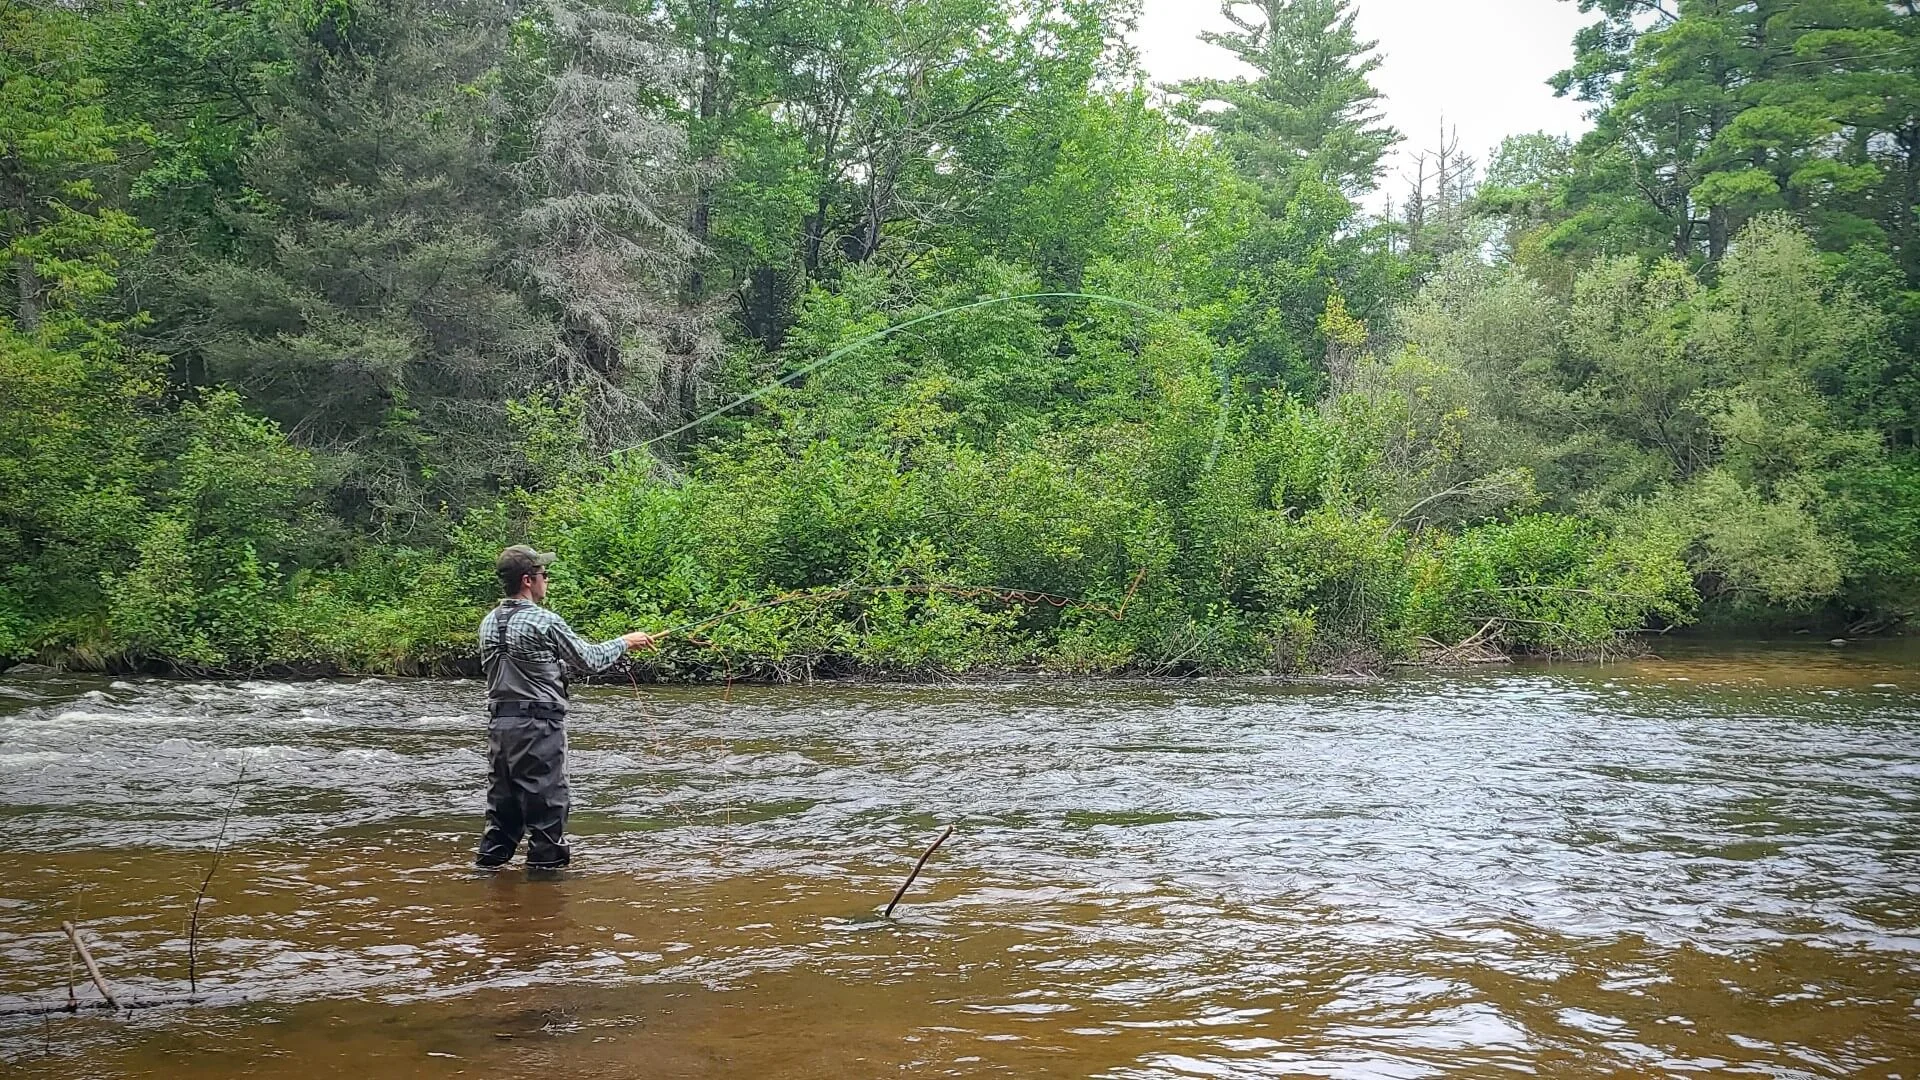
x=1702, y=865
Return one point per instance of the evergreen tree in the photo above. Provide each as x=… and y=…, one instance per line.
x=1711, y=113
x=604, y=238
x=1309, y=111
x=369, y=303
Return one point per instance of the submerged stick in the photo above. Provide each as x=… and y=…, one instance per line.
x=52, y=1008
x=93, y=969
x=73, y=954
x=917, y=867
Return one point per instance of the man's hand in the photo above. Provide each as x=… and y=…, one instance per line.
x=639, y=640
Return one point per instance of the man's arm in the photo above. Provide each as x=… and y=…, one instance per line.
x=588, y=657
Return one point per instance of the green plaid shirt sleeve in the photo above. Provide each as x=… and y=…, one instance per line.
x=539, y=635
x=577, y=650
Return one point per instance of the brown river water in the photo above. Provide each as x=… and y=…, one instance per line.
x=1704, y=865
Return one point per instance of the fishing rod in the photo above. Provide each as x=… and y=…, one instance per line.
x=1028, y=597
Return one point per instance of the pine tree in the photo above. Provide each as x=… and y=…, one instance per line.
x=605, y=239
x=369, y=305
x=1711, y=113
x=1310, y=111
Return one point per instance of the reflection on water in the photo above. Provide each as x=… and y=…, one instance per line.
x=1706, y=864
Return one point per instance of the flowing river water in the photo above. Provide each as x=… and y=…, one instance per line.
x=1702, y=865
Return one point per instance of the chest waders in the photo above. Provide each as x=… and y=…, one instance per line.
x=527, y=753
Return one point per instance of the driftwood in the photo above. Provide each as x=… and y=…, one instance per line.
x=93, y=969
x=917, y=867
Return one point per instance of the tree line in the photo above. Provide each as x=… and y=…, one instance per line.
x=314, y=304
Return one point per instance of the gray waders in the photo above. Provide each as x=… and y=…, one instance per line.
x=527, y=751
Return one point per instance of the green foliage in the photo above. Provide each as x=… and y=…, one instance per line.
x=392, y=609
x=1757, y=549
x=1877, y=508
x=58, y=243
x=1711, y=115
x=1547, y=582
x=199, y=591
x=312, y=307
x=1737, y=414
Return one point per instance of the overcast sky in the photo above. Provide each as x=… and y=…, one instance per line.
x=1483, y=64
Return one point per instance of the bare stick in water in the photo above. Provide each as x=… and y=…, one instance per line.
x=93, y=969
x=193, y=923
x=73, y=1000
x=917, y=867
x=129, y=1005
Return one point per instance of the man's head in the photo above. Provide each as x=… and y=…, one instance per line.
x=523, y=572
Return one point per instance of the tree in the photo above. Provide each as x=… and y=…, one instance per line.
x=92, y=450
x=604, y=237
x=1710, y=113
x=1309, y=111
x=194, y=73
x=1439, y=214
x=1733, y=412
x=829, y=134
x=1523, y=191
x=60, y=242
x=368, y=303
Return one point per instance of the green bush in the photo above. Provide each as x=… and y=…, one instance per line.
x=1545, y=583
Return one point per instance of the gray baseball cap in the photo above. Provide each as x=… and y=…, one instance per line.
x=521, y=559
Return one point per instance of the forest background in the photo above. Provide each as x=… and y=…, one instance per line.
x=312, y=305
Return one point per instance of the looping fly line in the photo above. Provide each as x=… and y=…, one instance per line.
x=880, y=335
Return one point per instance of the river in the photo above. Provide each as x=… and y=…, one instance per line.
x=1707, y=864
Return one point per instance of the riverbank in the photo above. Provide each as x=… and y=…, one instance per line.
x=681, y=663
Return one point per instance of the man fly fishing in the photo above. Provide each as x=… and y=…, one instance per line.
x=525, y=650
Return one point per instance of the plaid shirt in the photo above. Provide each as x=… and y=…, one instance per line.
x=539, y=636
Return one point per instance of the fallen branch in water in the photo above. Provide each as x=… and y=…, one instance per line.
x=219, y=849
x=917, y=867
x=55, y=1008
x=93, y=969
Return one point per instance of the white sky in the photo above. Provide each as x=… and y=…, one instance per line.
x=1482, y=64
